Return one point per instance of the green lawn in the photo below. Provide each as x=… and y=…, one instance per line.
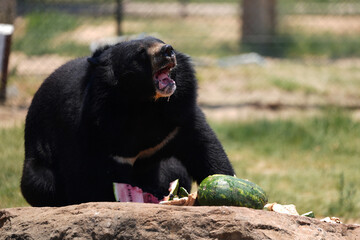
x=310, y=162
x=11, y=159
x=40, y=33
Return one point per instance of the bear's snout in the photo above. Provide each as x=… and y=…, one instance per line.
x=167, y=51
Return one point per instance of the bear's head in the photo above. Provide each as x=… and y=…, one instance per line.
x=143, y=68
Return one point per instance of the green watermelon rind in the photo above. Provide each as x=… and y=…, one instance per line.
x=117, y=197
x=224, y=190
x=182, y=192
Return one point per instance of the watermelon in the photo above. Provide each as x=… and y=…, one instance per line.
x=126, y=193
x=219, y=190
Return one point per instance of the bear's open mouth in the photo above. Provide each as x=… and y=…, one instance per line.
x=165, y=86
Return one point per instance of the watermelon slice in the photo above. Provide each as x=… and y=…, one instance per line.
x=183, y=192
x=149, y=198
x=126, y=193
x=173, y=190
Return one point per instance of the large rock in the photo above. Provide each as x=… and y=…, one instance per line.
x=152, y=221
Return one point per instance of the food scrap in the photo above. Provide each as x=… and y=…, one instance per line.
x=331, y=220
x=184, y=201
x=287, y=209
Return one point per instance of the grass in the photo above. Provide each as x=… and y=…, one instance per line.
x=11, y=159
x=307, y=82
x=311, y=162
x=42, y=28
x=289, y=85
x=299, y=44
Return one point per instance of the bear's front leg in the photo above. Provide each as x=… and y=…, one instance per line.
x=200, y=150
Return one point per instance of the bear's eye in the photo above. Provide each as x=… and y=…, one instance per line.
x=142, y=55
x=142, y=51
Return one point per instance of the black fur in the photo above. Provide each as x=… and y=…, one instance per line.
x=91, y=110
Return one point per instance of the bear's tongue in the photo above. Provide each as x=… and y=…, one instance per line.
x=164, y=80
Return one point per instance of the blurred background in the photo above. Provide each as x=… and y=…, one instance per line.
x=279, y=81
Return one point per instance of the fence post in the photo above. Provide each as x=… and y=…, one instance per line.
x=6, y=31
x=258, y=21
x=119, y=16
x=7, y=11
x=7, y=15
x=183, y=10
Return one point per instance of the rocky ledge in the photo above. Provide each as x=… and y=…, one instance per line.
x=153, y=221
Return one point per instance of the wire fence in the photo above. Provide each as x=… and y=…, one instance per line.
x=207, y=29
x=50, y=32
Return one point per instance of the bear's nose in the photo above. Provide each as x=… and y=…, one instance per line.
x=167, y=50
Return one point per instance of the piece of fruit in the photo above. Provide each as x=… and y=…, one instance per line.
x=173, y=190
x=126, y=193
x=218, y=190
x=184, y=201
x=309, y=214
x=182, y=192
x=279, y=208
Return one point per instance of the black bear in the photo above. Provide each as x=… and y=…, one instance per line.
x=127, y=114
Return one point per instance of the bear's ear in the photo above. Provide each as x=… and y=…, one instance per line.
x=95, y=59
x=102, y=61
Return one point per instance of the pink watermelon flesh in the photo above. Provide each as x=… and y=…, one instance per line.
x=126, y=193
x=149, y=198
